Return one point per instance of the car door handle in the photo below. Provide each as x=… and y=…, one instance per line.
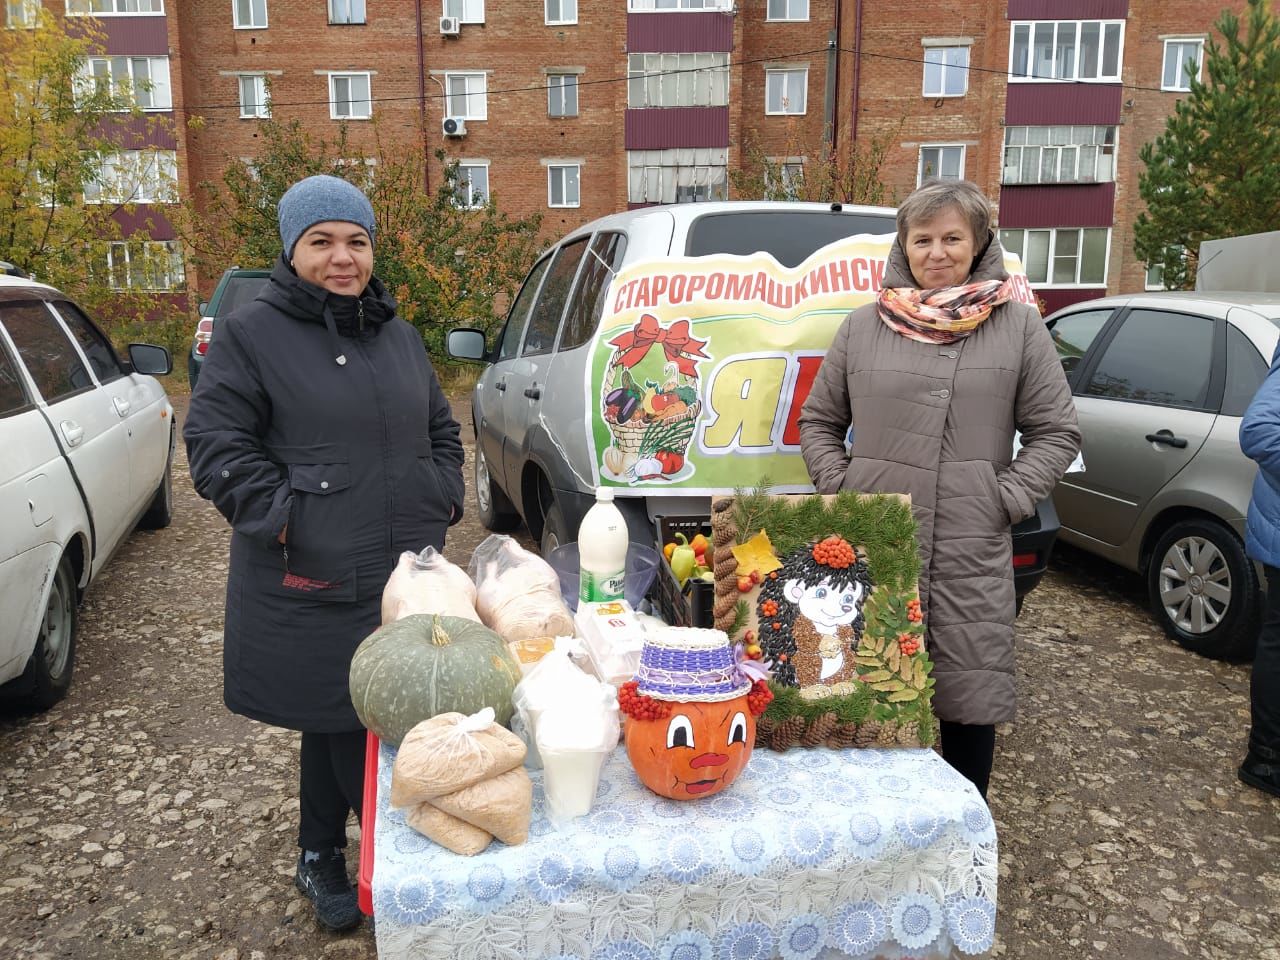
x=73, y=432
x=501, y=385
x=1168, y=439
x=122, y=406
x=533, y=393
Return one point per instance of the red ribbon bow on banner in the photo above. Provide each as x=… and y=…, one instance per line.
x=678, y=345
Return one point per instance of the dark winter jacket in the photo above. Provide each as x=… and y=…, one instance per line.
x=320, y=412
x=937, y=422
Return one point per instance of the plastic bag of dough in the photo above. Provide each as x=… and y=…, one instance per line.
x=428, y=583
x=501, y=806
x=517, y=592
x=448, y=831
x=448, y=752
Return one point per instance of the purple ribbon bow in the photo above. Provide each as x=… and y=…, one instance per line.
x=748, y=669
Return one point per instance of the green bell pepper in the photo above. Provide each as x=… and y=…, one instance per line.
x=683, y=559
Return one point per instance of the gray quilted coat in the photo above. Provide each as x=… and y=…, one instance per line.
x=937, y=422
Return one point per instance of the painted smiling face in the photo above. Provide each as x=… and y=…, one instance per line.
x=695, y=751
x=829, y=604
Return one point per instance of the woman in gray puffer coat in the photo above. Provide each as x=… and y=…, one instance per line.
x=935, y=378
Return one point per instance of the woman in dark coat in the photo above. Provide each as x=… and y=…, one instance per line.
x=934, y=378
x=319, y=430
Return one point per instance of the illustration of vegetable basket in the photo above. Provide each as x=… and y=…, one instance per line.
x=650, y=401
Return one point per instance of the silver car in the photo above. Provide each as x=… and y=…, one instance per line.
x=1161, y=381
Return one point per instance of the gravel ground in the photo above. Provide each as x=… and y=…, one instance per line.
x=139, y=819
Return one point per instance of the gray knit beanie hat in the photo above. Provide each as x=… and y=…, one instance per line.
x=317, y=199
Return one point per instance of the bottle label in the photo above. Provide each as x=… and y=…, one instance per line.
x=593, y=587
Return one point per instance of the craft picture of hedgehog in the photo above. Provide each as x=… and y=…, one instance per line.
x=810, y=616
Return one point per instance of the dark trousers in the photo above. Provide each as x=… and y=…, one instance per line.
x=330, y=786
x=1264, y=685
x=970, y=748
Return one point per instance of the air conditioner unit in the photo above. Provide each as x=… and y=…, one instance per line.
x=450, y=26
x=454, y=127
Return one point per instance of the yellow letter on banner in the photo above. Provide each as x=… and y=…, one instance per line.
x=744, y=401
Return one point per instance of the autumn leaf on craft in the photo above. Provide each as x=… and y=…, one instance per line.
x=756, y=556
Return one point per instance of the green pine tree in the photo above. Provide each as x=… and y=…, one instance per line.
x=1215, y=171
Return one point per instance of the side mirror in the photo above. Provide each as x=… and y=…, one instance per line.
x=466, y=343
x=151, y=360
x=204, y=306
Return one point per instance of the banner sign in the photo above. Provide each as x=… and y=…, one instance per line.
x=700, y=365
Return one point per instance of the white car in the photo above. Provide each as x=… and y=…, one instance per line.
x=86, y=451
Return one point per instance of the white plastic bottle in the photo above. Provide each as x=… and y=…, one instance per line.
x=602, y=550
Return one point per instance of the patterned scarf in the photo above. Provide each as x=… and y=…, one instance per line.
x=944, y=315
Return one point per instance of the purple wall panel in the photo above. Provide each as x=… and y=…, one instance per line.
x=145, y=215
x=136, y=35
x=1068, y=9
x=1043, y=104
x=1070, y=205
x=137, y=133
x=658, y=128
x=685, y=32
x=1057, y=299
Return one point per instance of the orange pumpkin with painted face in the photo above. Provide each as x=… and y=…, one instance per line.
x=696, y=750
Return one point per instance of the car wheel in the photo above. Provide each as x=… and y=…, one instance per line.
x=160, y=514
x=496, y=512
x=1204, y=590
x=48, y=673
x=554, y=530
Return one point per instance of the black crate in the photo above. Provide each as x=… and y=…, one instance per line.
x=694, y=605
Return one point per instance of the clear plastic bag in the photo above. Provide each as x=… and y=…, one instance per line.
x=428, y=583
x=449, y=752
x=517, y=592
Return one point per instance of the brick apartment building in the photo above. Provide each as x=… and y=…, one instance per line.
x=577, y=108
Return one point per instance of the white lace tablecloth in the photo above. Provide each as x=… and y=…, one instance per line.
x=810, y=853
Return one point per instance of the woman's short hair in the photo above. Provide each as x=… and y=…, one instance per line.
x=934, y=196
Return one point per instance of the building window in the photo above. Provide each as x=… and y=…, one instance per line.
x=135, y=176
x=1067, y=50
x=1182, y=62
x=349, y=96
x=784, y=178
x=946, y=70
x=787, y=10
x=99, y=8
x=677, y=175
x=785, y=91
x=1059, y=155
x=661, y=6
x=466, y=96
x=1062, y=256
x=346, y=11
x=255, y=99
x=249, y=14
x=471, y=189
x=941, y=162
x=466, y=11
x=561, y=12
x=21, y=13
x=562, y=95
x=145, y=265
x=563, y=188
x=1155, y=276
x=678, y=80
x=143, y=80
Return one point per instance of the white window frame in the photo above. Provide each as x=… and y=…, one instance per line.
x=1078, y=146
x=1156, y=271
x=162, y=85
x=73, y=11
x=562, y=20
x=260, y=107
x=786, y=75
x=1182, y=77
x=787, y=15
x=561, y=169
x=557, y=84
x=470, y=98
x=943, y=45
x=337, y=6
x=351, y=102
x=706, y=168
x=151, y=175
x=964, y=154
x=151, y=251
x=1054, y=234
x=21, y=14
x=710, y=70
x=1077, y=27
x=466, y=11
x=678, y=6
x=235, y=16
x=488, y=188
x=790, y=172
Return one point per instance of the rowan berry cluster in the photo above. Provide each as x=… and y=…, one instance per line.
x=759, y=698
x=908, y=644
x=914, y=613
x=639, y=707
x=835, y=552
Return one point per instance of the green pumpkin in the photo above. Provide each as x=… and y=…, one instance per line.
x=424, y=665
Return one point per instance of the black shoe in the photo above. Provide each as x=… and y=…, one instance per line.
x=1260, y=773
x=326, y=885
